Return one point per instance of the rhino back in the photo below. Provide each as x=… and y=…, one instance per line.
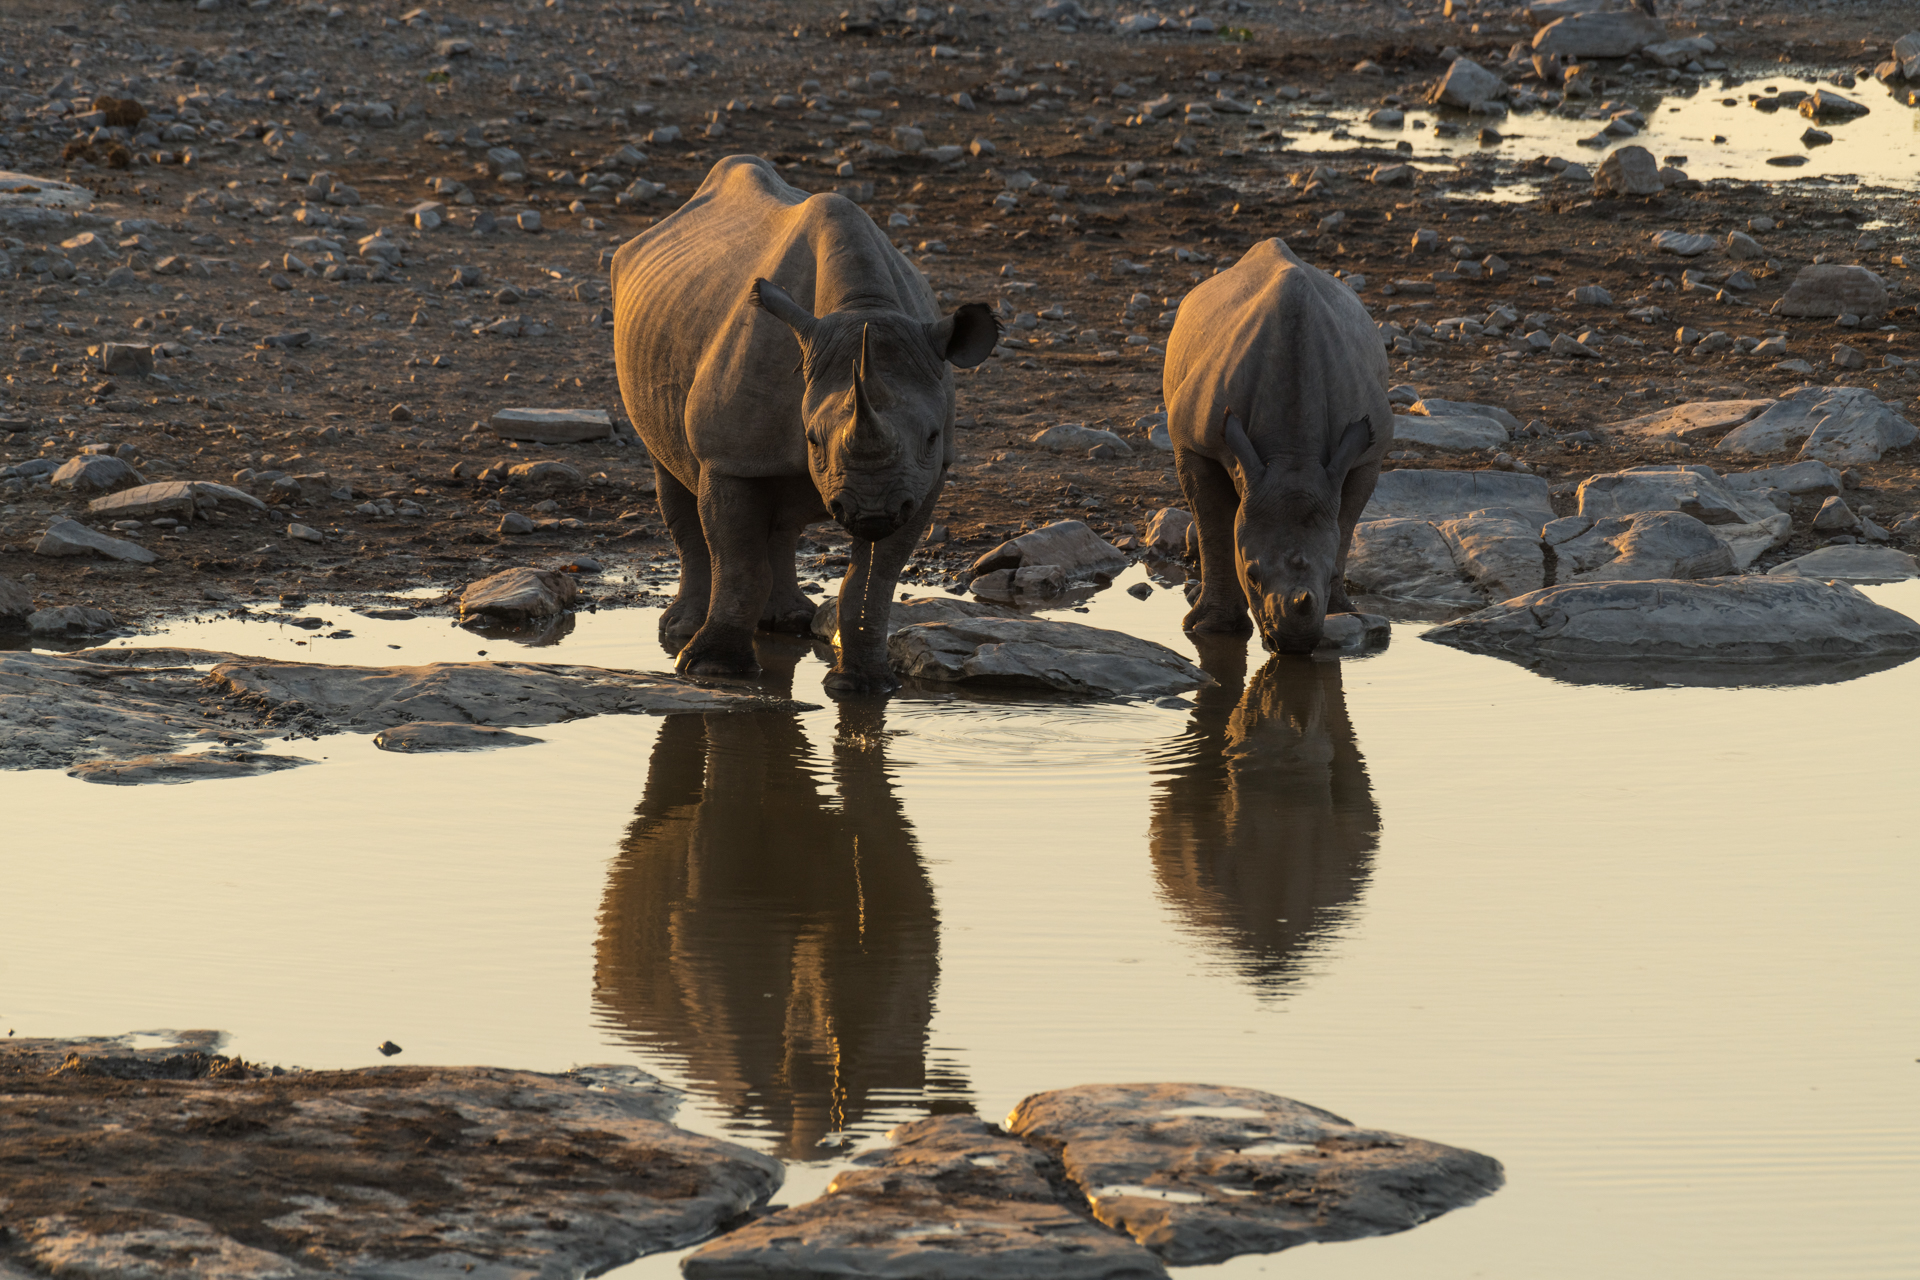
x=1287, y=347
x=708, y=378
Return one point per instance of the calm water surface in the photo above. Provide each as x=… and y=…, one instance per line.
x=1652, y=948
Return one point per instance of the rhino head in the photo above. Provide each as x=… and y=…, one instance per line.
x=878, y=404
x=1286, y=535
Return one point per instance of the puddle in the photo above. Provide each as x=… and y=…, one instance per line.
x=1652, y=948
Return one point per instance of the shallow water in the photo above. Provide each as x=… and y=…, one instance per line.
x=1652, y=948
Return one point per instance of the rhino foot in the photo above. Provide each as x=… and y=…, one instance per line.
x=849, y=683
x=790, y=620
x=710, y=655
x=683, y=618
x=1216, y=619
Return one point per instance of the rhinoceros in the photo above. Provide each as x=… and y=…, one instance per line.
x=753, y=439
x=1276, y=388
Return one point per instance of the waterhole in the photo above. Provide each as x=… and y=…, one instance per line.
x=1652, y=947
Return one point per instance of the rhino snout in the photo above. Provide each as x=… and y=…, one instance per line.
x=1292, y=623
x=869, y=521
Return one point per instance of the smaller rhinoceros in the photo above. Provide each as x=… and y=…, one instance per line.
x=1276, y=387
x=753, y=440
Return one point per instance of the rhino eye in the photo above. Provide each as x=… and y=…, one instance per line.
x=813, y=439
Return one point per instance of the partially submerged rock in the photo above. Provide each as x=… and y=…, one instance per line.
x=1741, y=630
x=952, y=1199
x=905, y=613
x=1851, y=564
x=1831, y=424
x=1202, y=1173
x=1035, y=653
x=514, y=596
x=1445, y=495
x=214, y=1166
x=181, y=766
x=1699, y=422
x=448, y=735
x=1079, y=553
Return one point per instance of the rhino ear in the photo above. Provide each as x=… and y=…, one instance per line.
x=1252, y=465
x=779, y=304
x=966, y=337
x=1353, y=440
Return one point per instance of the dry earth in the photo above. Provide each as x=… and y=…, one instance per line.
x=398, y=364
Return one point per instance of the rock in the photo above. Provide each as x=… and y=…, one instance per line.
x=1468, y=84
x=1831, y=424
x=169, y=497
x=1167, y=532
x=1612, y=33
x=1033, y=653
x=16, y=606
x=1202, y=1173
x=557, y=1175
x=1080, y=553
x=1738, y=630
x=305, y=533
x=1696, y=490
x=1678, y=53
x=1628, y=171
x=1452, y=432
x=1906, y=51
x=513, y=522
x=21, y=192
x=1683, y=244
x=96, y=472
x=543, y=472
x=1346, y=634
x=953, y=1196
x=1567, y=345
x=906, y=613
x=182, y=767
x=1406, y=560
x=1828, y=289
x=1648, y=544
x=551, y=426
x=1809, y=479
x=1851, y=564
x=447, y=735
x=70, y=538
x=1846, y=357
x=515, y=596
x=1441, y=495
x=1835, y=516
x=68, y=619
x=1029, y=585
x=1744, y=247
x=1072, y=437
x=1824, y=104
x=1590, y=295
x=1695, y=423
x=1436, y=408
x=1499, y=551
x=126, y=359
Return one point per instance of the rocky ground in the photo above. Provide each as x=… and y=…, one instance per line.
x=497, y=152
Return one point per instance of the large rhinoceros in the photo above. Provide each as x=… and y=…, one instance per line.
x=1276, y=387
x=753, y=440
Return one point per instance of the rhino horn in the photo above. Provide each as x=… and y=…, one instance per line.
x=867, y=437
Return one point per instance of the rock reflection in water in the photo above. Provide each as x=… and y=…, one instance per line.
x=778, y=938
x=1264, y=827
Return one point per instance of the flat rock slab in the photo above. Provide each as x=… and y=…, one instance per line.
x=519, y=595
x=1071, y=545
x=1035, y=653
x=1406, y=560
x=214, y=1167
x=1747, y=630
x=60, y=710
x=1453, y=432
x=1445, y=495
x=169, y=497
x=71, y=538
x=906, y=613
x=1072, y=437
x=952, y=1199
x=1837, y=425
x=551, y=426
x=183, y=767
x=1851, y=564
x=1695, y=490
x=448, y=735
x=1202, y=1173
x=1698, y=422
x=26, y=189
x=1809, y=479
x=1647, y=544
x=1498, y=550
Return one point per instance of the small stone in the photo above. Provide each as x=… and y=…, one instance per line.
x=551, y=426
x=1830, y=289
x=1835, y=516
x=1845, y=357
x=527, y=220
x=519, y=595
x=433, y=735
x=71, y=618
x=1683, y=244
x=400, y=413
x=1591, y=295
x=1043, y=654
x=96, y=473
x=1467, y=84
x=1743, y=246
x=305, y=533
x=1140, y=590
x=1628, y=171
x=1169, y=531
x=514, y=522
x=126, y=359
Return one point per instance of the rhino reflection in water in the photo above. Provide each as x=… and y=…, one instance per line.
x=1264, y=828
x=780, y=945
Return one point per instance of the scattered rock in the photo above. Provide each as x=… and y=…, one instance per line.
x=1072, y=437
x=1759, y=629
x=71, y=538
x=1079, y=552
x=126, y=359
x=515, y=596
x=169, y=497
x=1648, y=544
x=448, y=735
x=96, y=472
x=1699, y=422
x=1696, y=490
x=1628, y=171
x=1433, y=407
x=1835, y=516
x=1682, y=243
x=1824, y=104
x=1831, y=424
x=1349, y=634
x=551, y=426
x=1203, y=1173
x=1809, y=479
x=1442, y=495
x=514, y=522
x=16, y=605
x=906, y=613
x=1604, y=33
x=305, y=533
x=1467, y=84
x=1744, y=247
x=953, y=1196
x=69, y=619
x=1033, y=653
x=1829, y=289
x=1851, y=564
x=1168, y=531
x=1452, y=432
x=1029, y=585
x=182, y=767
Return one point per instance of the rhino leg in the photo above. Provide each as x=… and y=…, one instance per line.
x=681, y=511
x=1214, y=501
x=736, y=514
x=866, y=598
x=1354, y=496
x=789, y=610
